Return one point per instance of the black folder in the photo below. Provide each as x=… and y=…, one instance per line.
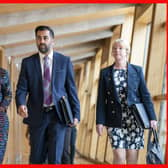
x=66, y=110
x=141, y=116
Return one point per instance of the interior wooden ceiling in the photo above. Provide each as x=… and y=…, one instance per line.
x=80, y=29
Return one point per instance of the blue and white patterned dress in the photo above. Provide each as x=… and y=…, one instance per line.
x=5, y=99
x=130, y=136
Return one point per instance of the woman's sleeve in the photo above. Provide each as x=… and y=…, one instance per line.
x=100, y=108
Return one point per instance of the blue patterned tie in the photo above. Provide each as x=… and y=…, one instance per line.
x=47, y=82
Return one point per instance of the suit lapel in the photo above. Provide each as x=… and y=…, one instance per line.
x=55, y=66
x=129, y=74
x=38, y=66
x=132, y=75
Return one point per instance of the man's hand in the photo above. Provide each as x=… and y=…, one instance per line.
x=74, y=123
x=22, y=111
x=99, y=129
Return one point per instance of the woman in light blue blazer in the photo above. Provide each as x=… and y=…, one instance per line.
x=120, y=86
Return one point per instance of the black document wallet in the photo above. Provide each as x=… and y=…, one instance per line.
x=66, y=110
x=141, y=116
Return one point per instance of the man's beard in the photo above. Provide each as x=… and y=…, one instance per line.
x=43, y=48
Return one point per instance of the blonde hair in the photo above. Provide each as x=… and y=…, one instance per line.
x=123, y=42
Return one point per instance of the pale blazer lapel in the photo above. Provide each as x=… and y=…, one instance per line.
x=54, y=68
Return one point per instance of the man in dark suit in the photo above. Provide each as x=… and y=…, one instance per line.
x=44, y=78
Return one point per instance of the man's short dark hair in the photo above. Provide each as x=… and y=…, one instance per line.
x=42, y=28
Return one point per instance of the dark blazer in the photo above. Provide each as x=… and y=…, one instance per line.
x=109, y=111
x=30, y=87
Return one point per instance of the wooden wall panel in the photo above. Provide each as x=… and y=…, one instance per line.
x=3, y=59
x=108, y=158
x=87, y=132
x=102, y=140
x=138, y=44
x=101, y=146
x=143, y=16
x=93, y=144
x=117, y=34
x=127, y=26
x=80, y=94
x=157, y=50
x=81, y=141
x=157, y=62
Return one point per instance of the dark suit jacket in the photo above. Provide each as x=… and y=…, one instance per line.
x=30, y=87
x=109, y=111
